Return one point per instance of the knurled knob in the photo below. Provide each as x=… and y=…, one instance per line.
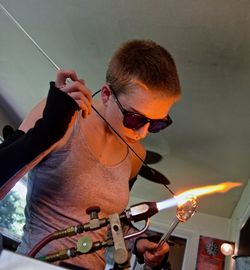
x=93, y=209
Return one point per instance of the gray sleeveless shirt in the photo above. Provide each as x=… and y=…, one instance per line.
x=63, y=186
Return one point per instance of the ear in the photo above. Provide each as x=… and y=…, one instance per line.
x=105, y=93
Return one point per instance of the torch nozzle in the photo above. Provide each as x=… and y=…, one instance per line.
x=141, y=211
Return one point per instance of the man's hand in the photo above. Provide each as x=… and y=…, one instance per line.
x=153, y=255
x=68, y=82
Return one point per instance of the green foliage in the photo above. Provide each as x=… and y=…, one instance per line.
x=12, y=213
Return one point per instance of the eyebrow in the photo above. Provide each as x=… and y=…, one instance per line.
x=131, y=109
x=135, y=111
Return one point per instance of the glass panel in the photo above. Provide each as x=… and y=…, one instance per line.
x=12, y=209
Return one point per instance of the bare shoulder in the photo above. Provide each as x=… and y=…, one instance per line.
x=135, y=161
x=35, y=114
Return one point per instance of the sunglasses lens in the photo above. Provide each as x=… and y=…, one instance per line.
x=156, y=126
x=133, y=120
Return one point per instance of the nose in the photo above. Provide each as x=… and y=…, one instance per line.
x=143, y=131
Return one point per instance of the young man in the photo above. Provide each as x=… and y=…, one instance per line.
x=91, y=165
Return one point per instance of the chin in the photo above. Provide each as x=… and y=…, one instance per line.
x=130, y=140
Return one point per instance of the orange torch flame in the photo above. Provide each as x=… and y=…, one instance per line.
x=196, y=192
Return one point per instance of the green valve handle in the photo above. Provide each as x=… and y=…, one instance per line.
x=84, y=244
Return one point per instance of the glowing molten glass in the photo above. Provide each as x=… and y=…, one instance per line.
x=196, y=192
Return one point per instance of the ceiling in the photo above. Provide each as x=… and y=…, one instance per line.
x=209, y=142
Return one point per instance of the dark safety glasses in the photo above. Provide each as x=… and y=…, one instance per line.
x=133, y=120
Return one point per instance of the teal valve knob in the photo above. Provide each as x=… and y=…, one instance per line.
x=84, y=244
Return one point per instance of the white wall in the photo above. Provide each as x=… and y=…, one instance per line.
x=199, y=224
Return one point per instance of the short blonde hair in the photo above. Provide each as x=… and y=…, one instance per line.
x=147, y=62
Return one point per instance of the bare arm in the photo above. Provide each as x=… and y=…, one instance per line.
x=76, y=89
x=44, y=129
x=22, y=150
x=33, y=116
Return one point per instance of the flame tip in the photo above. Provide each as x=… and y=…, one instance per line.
x=196, y=192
